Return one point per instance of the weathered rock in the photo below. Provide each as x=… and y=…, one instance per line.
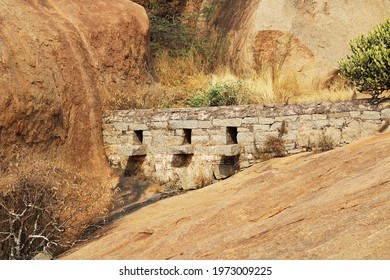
x=223, y=171
x=302, y=41
x=181, y=150
x=59, y=62
x=43, y=256
x=135, y=150
x=309, y=206
x=225, y=150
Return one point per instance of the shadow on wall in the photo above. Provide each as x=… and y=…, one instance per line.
x=227, y=167
x=133, y=185
x=181, y=160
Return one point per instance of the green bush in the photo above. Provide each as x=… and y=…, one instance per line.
x=220, y=94
x=369, y=65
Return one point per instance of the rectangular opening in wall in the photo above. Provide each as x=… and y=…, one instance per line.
x=231, y=135
x=187, y=136
x=139, y=137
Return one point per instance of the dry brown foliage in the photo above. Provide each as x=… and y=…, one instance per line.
x=45, y=205
x=325, y=143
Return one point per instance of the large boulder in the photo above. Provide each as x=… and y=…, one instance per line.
x=59, y=62
x=304, y=39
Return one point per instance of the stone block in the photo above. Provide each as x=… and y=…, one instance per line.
x=318, y=124
x=385, y=113
x=159, y=125
x=121, y=126
x=250, y=120
x=207, y=158
x=218, y=139
x=181, y=150
x=235, y=122
x=136, y=150
x=266, y=121
x=225, y=150
x=168, y=140
x=307, y=137
x=217, y=131
x=245, y=137
x=250, y=149
x=276, y=126
x=199, y=132
x=183, y=124
x=243, y=129
x=110, y=140
x=261, y=127
x=304, y=118
x=354, y=114
x=334, y=134
x=339, y=115
x=245, y=164
x=356, y=130
x=289, y=147
x=128, y=139
x=338, y=122
x=370, y=115
x=200, y=139
x=205, y=124
x=290, y=136
x=138, y=126
x=286, y=119
x=223, y=171
x=147, y=140
x=317, y=117
x=261, y=137
x=351, y=132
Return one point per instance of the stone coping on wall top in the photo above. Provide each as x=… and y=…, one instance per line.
x=242, y=111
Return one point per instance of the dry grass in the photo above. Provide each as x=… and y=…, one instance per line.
x=324, y=143
x=181, y=78
x=80, y=199
x=203, y=179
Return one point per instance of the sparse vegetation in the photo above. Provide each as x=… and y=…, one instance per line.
x=45, y=206
x=274, y=146
x=202, y=179
x=369, y=65
x=221, y=94
x=189, y=66
x=325, y=143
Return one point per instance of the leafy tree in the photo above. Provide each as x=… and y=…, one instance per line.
x=369, y=65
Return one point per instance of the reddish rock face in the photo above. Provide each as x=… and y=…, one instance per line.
x=59, y=61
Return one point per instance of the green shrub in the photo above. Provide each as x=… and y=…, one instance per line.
x=220, y=94
x=369, y=65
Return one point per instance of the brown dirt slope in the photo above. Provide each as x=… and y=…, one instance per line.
x=334, y=205
x=59, y=61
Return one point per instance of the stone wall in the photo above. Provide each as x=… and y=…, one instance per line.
x=190, y=147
